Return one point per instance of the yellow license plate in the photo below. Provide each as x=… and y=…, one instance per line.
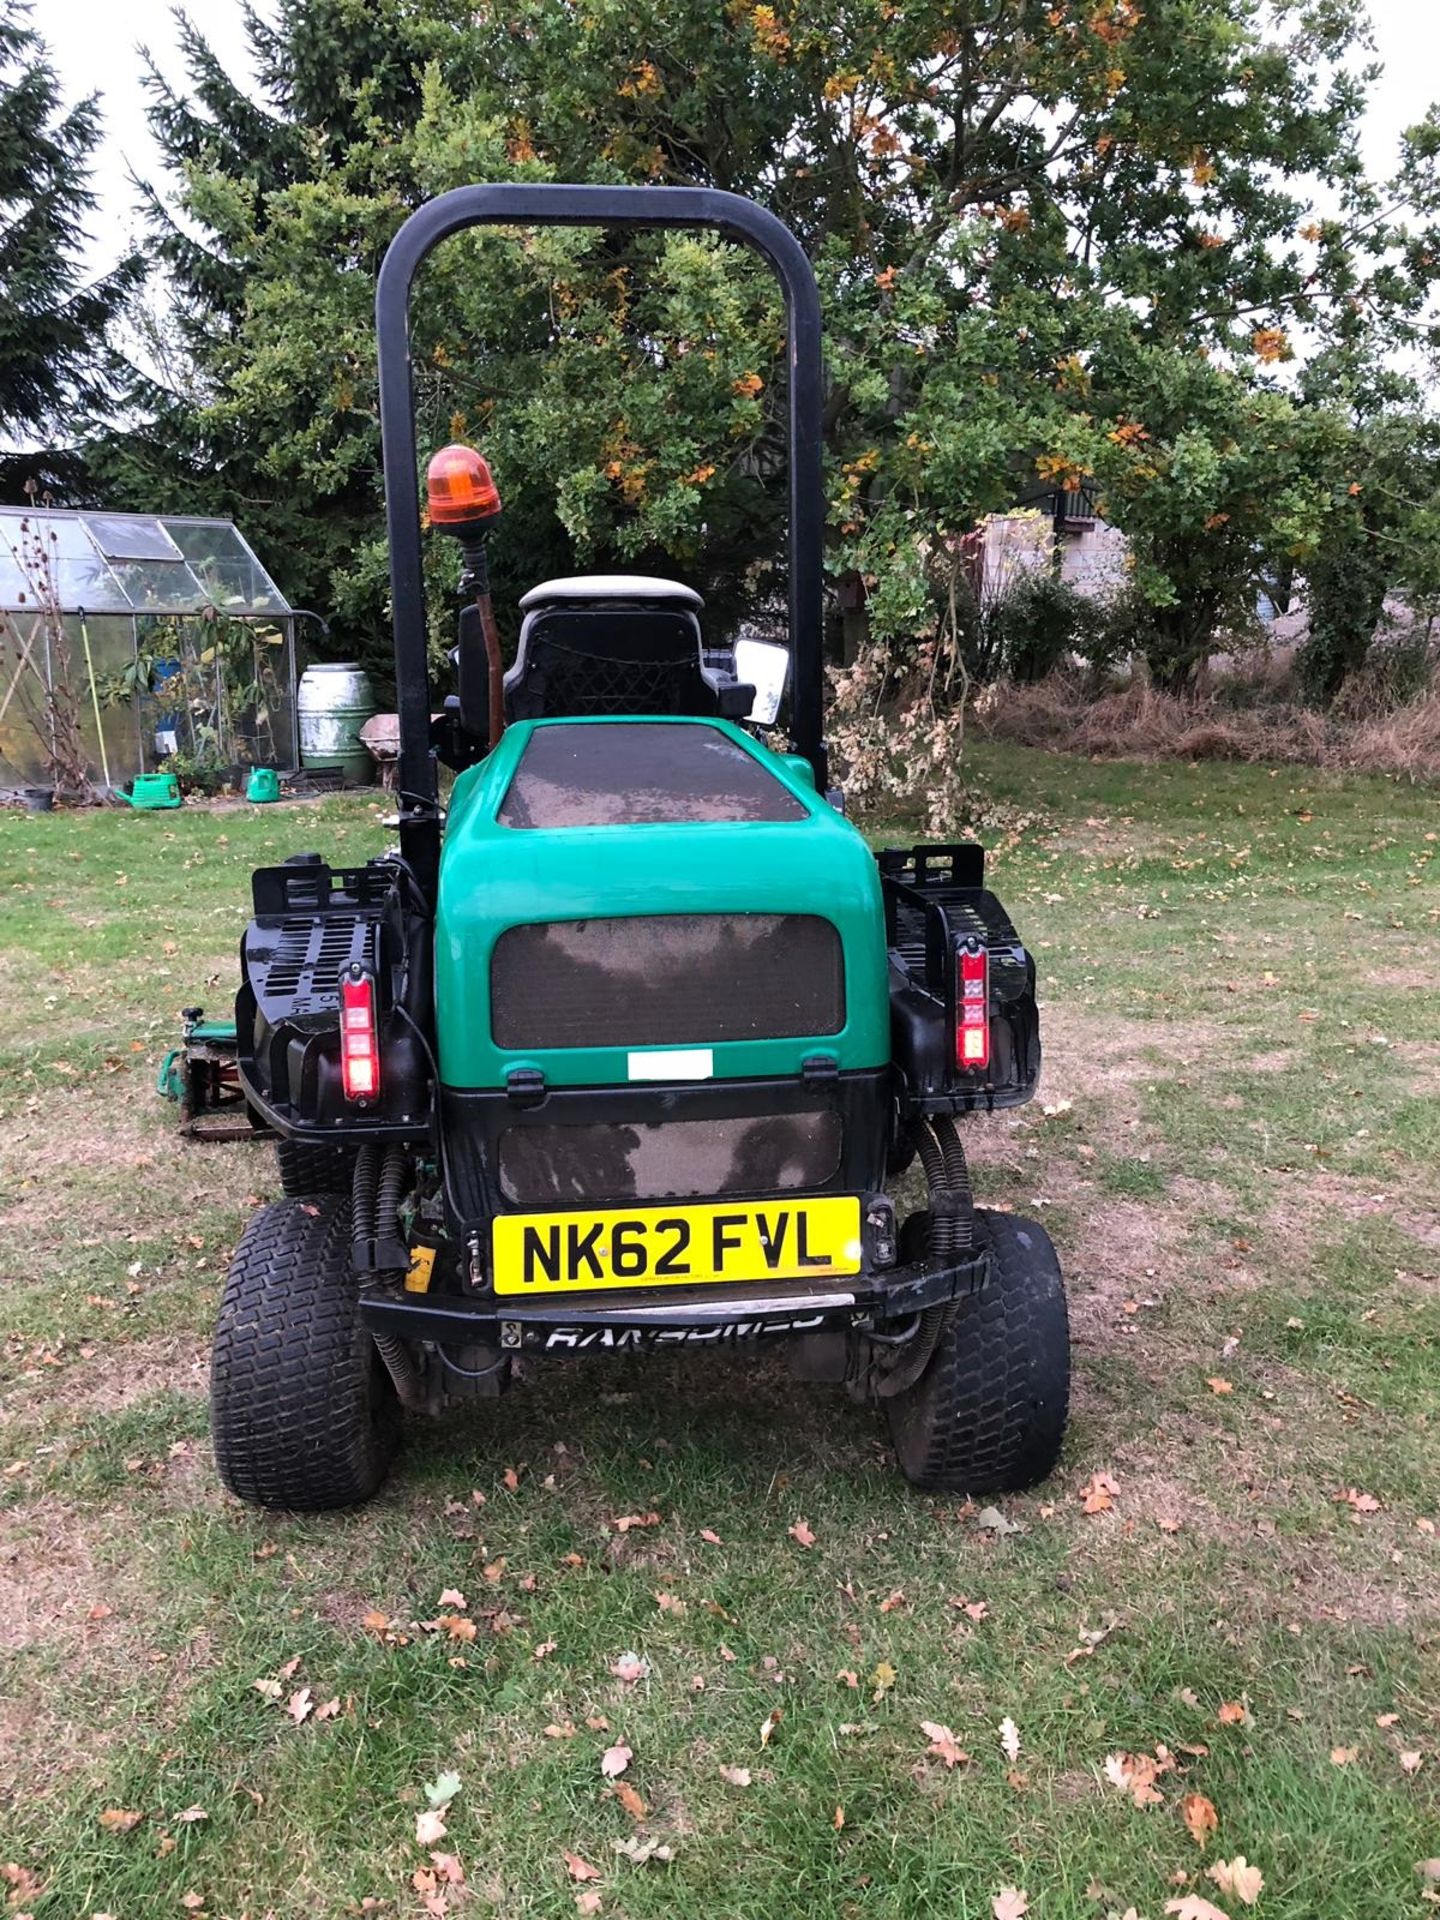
x=678, y=1245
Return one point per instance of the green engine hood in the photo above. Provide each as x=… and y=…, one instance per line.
x=495, y=875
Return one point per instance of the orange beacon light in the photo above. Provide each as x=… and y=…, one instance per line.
x=460, y=489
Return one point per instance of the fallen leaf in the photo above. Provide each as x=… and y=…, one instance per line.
x=1359, y=1502
x=1429, y=1870
x=1200, y=1817
x=838, y=1819
x=290, y=1668
x=579, y=1869
x=801, y=1534
x=670, y=1603
x=893, y=1601
x=560, y=1730
x=512, y=1479
x=1135, y=1774
x=119, y=1819
x=429, y=1827
x=631, y=1667
x=631, y=1801
x=943, y=1744
x=1237, y=1877
x=588, y=1902
x=299, y=1705
x=883, y=1678
x=615, y=1760
x=448, y=1868
x=268, y=1689
x=1011, y=1903
x=452, y=1597
x=638, y=1850
x=1217, y=1385
x=994, y=1521
x=495, y=1571
x=1233, y=1713
x=328, y=1709
x=457, y=1628
x=1099, y=1493
x=442, y=1790
x=1411, y=1762
x=849, y=1676
x=713, y=1538
x=629, y=1520
x=769, y=1724
x=1342, y=1756
x=597, y=1723
x=376, y=1622
x=1195, y=1906
x=1009, y=1739
x=736, y=1776
x=1386, y=1719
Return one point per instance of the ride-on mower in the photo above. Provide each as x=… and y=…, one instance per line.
x=627, y=1058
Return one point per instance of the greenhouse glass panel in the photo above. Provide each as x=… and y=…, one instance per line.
x=123, y=536
x=226, y=568
x=59, y=560
x=13, y=584
x=156, y=586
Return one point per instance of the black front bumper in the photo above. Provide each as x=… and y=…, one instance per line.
x=675, y=1316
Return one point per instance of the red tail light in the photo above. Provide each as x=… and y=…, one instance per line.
x=359, y=1040
x=972, y=1008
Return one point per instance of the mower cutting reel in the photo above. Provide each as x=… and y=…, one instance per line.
x=628, y=1058
x=202, y=1077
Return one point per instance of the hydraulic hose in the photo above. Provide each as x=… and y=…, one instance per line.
x=404, y=1370
x=364, y=1193
x=391, y=1192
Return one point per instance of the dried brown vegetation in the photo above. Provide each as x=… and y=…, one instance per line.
x=1137, y=722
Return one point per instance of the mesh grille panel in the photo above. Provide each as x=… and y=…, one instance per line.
x=676, y=1159
x=667, y=980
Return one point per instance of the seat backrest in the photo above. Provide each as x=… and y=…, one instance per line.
x=616, y=645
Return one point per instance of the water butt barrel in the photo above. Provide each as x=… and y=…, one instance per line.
x=334, y=702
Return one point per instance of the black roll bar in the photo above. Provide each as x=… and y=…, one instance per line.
x=516, y=204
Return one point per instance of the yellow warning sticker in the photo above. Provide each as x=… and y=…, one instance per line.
x=422, y=1262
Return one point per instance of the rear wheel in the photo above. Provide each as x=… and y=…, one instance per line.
x=314, y=1166
x=303, y=1412
x=988, y=1413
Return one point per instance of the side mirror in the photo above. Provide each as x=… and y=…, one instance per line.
x=767, y=669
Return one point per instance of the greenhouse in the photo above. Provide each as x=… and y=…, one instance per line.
x=130, y=641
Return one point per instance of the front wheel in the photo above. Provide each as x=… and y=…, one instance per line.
x=303, y=1412
x=988, y=1413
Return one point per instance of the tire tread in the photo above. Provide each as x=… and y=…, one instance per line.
x=988, y=1414
x=303, y=1415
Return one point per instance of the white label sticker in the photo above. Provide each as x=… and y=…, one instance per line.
x=674, y=1063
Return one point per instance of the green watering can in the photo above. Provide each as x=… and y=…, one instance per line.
x=149, y=791
x=263, y=785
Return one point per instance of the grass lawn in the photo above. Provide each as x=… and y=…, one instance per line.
x=1237, y=1149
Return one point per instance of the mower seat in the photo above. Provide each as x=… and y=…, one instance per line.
x=616, y=644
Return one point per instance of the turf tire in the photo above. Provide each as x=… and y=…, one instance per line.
x=314, y=1166
x=304, y=1415
x=988, y=1413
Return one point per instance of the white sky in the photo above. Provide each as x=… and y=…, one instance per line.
x=93, y=44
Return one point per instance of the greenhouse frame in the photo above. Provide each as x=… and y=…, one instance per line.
x=129, y=641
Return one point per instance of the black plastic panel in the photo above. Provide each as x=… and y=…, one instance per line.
x=667, y=980
x=629, y=775
x=672, y=1159
x=853, y=1109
